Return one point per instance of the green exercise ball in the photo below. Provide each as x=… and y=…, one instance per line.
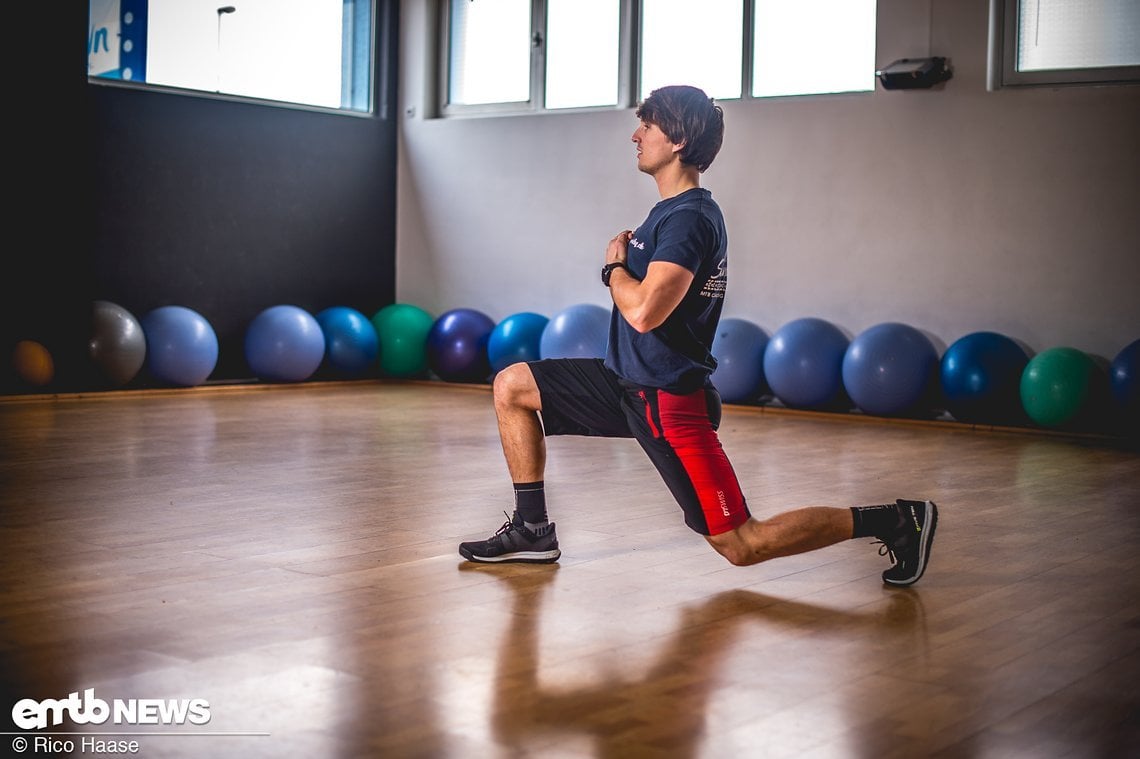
x=403, y=330
x=1057, y=385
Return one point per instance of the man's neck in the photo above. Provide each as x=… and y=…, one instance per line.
x=676, y=179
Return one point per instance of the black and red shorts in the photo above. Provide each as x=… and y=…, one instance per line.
x=580, y=396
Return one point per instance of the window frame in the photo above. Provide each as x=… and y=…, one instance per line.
x=1002, y=59
x=380, y=21
x=536, y=102
x=629, y=66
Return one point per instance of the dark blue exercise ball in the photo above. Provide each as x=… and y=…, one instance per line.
x=351, y=343
x=803, y=363
x=284, y=344
x=181, y=345
x=1124, y=379
x=580, y=331
x=516, y=338
x=889, y=369
x=738, y=348
x=981, y=378
x=457, y=346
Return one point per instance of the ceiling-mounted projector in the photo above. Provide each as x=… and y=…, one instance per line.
x=914, y=73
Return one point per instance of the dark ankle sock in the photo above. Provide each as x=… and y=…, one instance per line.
x=530, y=503
x=874, y=521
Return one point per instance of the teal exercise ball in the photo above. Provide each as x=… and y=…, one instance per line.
x=1057, y=386
x=402, y=329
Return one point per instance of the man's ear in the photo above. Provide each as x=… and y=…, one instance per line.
x=679, y=146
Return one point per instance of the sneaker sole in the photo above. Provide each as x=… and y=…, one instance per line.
x=923, y=549
x=518, y=557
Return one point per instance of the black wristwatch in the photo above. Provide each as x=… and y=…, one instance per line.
x=608, y=269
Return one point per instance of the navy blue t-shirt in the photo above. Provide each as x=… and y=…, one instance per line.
x=687, y=229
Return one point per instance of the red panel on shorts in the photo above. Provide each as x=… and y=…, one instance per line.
x=686, y=427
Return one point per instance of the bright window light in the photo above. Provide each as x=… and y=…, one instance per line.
x=813, y=47
x=490, y=52
x=582, y=42
x=292, y=51
x=1077, y=34
x=689, y=43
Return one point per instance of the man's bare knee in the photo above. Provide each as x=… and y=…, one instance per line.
x=514, y=387
x=733, y=547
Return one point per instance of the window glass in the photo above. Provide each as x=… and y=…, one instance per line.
x=310, y=52
x=582, y=43
x=813, y=46
x=701, y=44
x=1077, y=34
x=490, y=52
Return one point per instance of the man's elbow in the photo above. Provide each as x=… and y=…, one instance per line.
x=643, y=322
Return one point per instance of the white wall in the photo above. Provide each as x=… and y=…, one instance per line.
x=952, y=210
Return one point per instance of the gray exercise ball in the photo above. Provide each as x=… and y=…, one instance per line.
x=117, y=345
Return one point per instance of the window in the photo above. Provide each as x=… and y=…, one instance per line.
x=305, y=52
x=1053, y=42
x=536, y=55
x=515, y=54
x=813, y=47
x=698, y=45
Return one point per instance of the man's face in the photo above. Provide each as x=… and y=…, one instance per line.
x=654, y=149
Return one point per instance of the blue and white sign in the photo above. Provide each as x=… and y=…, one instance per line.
x=116, y=39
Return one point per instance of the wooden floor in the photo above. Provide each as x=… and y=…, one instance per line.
x=289, y=556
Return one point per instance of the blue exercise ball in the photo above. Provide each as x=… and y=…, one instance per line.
x=117, y=345
x=981, y=378
x=1123, y=376
x=351, y=343
x=457, y=345
x=889, y=370
x=516, y=338
x=580, y=331
x=182, y=347
x=738, y=348
x=803, y=361
x=284, y=344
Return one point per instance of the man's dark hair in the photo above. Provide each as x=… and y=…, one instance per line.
x=686, y=115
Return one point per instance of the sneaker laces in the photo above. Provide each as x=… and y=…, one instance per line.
x=886, y=549
x=507, y=526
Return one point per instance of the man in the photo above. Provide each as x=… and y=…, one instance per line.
x=667, y=280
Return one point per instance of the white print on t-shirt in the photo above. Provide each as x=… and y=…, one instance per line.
x=717, y=283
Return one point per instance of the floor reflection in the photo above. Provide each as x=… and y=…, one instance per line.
x=665, y=711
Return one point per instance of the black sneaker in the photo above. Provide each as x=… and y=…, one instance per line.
x=908, y=544
x=514, y=542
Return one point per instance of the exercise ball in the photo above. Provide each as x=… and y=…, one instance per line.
x=284, y=344
x=457, y=345
x=516, y=338
x=738, y=348
x=1057, y=386
x=402, y=330
x=117, y=345
x=181, y=345
x=889, y=369
x=351, y=343
x=33, y=363
x=580, y=331
x=981, y=378
x=1122, y=376
x=803, y=361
